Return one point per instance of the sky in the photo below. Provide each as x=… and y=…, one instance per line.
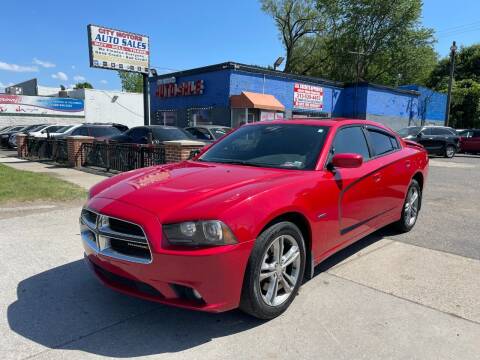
x=48, y=39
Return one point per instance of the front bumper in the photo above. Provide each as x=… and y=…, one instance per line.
x=215, y=273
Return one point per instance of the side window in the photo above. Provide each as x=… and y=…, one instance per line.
x=137, y=134
x=199, y=133
x=80, y=131
x=427, y=131
x=439, y=131
x=381, y=142
x=476, y=134
x=351, y=140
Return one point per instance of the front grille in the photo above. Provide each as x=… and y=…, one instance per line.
x=114, y=237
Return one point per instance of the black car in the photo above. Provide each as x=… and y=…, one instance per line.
x=437, y=140
x=208, y=133
x=159, y=134
x=5, y=135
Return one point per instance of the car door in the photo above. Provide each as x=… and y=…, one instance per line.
x=425, y=138
x=138, y=135
x=394, y=173
x=474, y=142
x=440, y=138
x=358, y=195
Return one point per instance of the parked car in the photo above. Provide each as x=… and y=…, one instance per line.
x=437, y=140
x=99, y=132
x=5, y=135
x=245, y=221
x=53, y=131
x=470, y=141
x=208, y=133
x=160, y=133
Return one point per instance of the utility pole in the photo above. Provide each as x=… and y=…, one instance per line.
x=358, y=54
x=453, y=50
x=146, y=107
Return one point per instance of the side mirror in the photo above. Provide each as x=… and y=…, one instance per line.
x=347, y=161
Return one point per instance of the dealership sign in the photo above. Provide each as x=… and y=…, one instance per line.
x=118, y=50
x=307, y=97
x=40, y=105
x=187, y=88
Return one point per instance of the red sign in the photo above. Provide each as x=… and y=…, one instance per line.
x=308, y=97
x=183, y=89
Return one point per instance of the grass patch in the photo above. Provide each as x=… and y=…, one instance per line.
x=19, y=185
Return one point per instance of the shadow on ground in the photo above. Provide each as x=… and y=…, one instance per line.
x=66, y=308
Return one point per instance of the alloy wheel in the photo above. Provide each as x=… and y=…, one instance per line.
x=411, y=206
x=280, y=270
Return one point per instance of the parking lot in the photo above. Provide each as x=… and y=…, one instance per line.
x=404, y=296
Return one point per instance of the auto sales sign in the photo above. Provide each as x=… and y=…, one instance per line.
x=118, y=50
x=307, y=97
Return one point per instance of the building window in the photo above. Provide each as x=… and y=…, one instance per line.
x=165, y=117
x=200, y=116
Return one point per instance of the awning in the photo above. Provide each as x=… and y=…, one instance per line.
x=253, y=100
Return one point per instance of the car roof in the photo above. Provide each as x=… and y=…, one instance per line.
x=330, y=122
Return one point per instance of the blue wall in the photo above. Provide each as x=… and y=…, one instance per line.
x=281, y=88
x=215, y=92
x=392, y=107
x=431, y=104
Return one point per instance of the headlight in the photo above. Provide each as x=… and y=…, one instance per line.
x=199, y=233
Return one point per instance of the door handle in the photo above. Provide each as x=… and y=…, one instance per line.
x=377, y=177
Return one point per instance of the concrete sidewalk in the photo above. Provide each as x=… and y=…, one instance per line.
x=80, y=178
x=387, y=300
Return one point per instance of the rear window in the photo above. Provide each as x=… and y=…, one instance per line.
x=382, y=143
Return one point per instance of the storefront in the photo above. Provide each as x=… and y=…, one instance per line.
x=233, y=94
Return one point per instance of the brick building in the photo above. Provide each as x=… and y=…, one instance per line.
x=232, y=94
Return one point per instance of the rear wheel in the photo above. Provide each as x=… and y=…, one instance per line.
x=450, y=151
x=411, y=208
x=274, y=271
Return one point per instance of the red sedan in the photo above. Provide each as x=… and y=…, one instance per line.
x=245, y=221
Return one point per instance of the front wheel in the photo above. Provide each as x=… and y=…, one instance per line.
x=274, y=271
x=450, y=151
x=411, y=208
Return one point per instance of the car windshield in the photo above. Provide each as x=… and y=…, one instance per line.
x=167, y=134
x=64, y=129
x=409, y=131
x=284, y=146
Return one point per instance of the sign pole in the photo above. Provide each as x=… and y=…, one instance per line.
x=146, y=107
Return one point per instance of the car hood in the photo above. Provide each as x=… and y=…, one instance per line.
x=167, y=190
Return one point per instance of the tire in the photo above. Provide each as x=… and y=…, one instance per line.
x=259, y=297
x=450, y=151
x=406, y=222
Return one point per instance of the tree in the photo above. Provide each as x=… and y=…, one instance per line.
x=131, y=82
x=378, y=40
x=83, y=85
x=465, y=106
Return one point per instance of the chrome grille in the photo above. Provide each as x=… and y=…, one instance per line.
x=114, y=237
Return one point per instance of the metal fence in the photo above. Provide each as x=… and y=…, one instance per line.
x=121, y=157
x=39, y=149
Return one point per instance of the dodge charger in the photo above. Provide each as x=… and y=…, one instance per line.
x=244, y=222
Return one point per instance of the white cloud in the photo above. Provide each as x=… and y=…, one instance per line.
x=45, y=64
x=60, y=76
x=79, y=78
x=103, y=81
x=17, y=68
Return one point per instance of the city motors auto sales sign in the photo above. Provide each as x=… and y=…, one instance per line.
x=307, y=97
x=118, y=50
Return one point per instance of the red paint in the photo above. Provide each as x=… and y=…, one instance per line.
x=341, y=205
x=347, y=161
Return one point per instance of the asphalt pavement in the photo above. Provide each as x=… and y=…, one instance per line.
x=387, y=296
